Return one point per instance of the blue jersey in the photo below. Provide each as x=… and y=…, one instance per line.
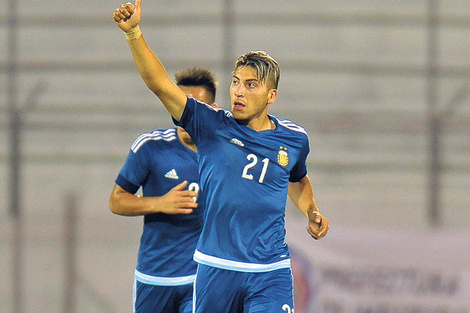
x=157, y=162
x=244, y=176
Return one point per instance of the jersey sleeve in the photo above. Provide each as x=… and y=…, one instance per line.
x=135, y=170
x=198, y=119
x=299, y=170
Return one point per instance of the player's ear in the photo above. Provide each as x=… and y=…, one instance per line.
x=214, y=105
x=272, y=95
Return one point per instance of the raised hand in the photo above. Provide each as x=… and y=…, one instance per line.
x=128, y=16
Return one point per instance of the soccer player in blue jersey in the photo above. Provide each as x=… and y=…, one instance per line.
x=163, y=162
x=249, y=162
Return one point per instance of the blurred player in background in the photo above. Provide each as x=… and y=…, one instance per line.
x=249, y=161
x=163, y=163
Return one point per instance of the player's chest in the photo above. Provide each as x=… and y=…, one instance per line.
x=174, y=165
x=253, y=157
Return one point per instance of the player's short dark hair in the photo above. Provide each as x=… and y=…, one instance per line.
x=265, y=66
x=197, y=76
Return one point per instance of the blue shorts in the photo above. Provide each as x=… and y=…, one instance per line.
x=224, y=291
x=165, y=299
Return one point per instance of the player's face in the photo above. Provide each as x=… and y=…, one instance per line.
x=250, y=97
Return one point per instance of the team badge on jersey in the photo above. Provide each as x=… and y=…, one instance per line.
x=283, y=157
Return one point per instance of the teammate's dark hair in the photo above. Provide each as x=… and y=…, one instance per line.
x=195, y=77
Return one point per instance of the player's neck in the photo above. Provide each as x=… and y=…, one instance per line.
x=260, y=124
x=186, y=140
x=190, y=145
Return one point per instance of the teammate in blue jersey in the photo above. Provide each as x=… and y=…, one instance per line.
x=249, y=162
x=164, y=164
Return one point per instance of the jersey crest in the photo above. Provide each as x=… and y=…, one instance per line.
x=283, y=156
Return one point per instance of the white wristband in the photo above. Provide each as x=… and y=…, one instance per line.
x=133, y=33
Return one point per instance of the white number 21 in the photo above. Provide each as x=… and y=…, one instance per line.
x=253, y=161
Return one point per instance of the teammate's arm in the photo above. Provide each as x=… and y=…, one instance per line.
x=175, y=201
x=128, y=17
x=301, y=194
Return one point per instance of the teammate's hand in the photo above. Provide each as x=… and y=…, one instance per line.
x=178, y=200
x=128, y=16
x=317, y=224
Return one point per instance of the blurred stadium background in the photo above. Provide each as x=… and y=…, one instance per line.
x=382, y=87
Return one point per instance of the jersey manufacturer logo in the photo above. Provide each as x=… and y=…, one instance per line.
x=237, y=142
x=172, y=174
x=282, y=156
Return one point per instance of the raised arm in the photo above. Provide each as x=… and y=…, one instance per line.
x=152, y=71
x=301, y=194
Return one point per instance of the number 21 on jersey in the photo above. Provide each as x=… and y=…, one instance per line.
x=253, y=161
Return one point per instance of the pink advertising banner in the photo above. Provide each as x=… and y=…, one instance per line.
x=367, y=270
